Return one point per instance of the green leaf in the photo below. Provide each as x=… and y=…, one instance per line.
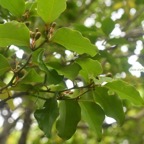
x=91, y=67
x=117, y=41
x=4, y=65
x=16, y=7
x=14, y=33
x=139, y=2
x=70, y=115
x=74, y=41
x=125, y=91
x=47, y=116
x=111, y=104
x=52, y=77
x=32, y=77
x=108, y=25
x=49, y=10
x=69, y=71
x=93, y=115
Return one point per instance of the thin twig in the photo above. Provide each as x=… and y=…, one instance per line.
x=16, y=74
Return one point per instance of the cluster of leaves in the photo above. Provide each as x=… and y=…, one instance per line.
x=42, y=73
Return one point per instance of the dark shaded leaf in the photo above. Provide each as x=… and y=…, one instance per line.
x=108, y=25
x=47, y=116
x=70, y=115
x=93, y=115
x=111, y=104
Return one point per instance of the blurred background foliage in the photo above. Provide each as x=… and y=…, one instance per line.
x=116, y=27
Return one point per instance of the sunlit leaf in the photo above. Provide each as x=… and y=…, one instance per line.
x=47, y=116
x=93, y=115
x=16, y=7
x=14, y=33
x=69, y=71
x=125, y=91
x=32, y=76
x=74, y=41
x=90, y=67
x=70, y=115
x=49, y=10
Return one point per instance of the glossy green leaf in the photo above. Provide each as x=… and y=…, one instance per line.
x=4, y=65
x=93, y=115
x=111, y=104
x=70, y=115
x=91, y=67
x=52, y=77
x=47, y=116
x=69, y=71
x=49, y=10
x=32, y=77
x=125, y=91
x=14, y=33
x=108, y=25
x=74, y=41
x=16, y=7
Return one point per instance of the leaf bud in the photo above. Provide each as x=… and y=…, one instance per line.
x=109, y=74
x=37, y=36
x=32, y=34
x=37, y=30
x=53, y=25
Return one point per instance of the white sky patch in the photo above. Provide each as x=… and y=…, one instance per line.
x=68, y=53
x=109, y=120
x=17, y=101
x=124, y=48
x=136, y=69
x=132, y=11
x=89, y=22
x=132, y=59
x=108, y=3
x=57, y=55
x=15, y=114
x=19, y=125
x=69, y=84
x=117, y=14
x=100, y=45
x=116, y=31
x=19, y=53
x=139, y=47
x=80, y=84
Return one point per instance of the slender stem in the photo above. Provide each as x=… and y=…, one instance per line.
x=15, y=75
